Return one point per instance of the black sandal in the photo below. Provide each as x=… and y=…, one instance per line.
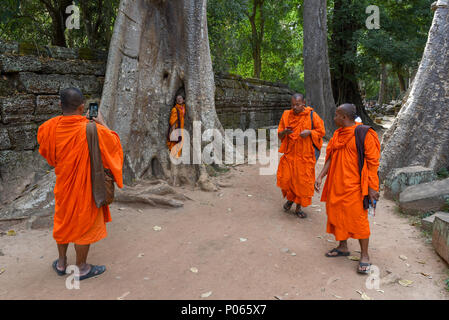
x=288, y=205
x=55, y=267
x=364, y=264
x=339, y=253
x=301, y=214
x=94, y=272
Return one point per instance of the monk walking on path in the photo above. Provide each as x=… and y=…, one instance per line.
x=301, y=131
x=63, y=144
x=351, y=180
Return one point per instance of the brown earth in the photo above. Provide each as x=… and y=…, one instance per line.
x=146, y=264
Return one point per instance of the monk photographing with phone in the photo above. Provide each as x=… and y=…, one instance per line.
x=63, y=143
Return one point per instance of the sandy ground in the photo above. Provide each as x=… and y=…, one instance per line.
x=206, y=234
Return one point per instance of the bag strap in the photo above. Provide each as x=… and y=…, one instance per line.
x=96, y=164
x=360, y=136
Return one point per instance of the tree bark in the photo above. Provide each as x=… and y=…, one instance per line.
x=317, y=80
x=419, y=135
x=158, y=49
x=58, y=19
x=402, y=85
x=383, y=84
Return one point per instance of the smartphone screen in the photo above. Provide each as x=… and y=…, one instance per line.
x=93, y=110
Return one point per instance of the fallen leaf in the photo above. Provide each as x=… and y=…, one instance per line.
x=140, y=255
x=405, y=283
x=11, y=233
x=243, y=239
x=381, y=291
x=407, y=265
x=365, y=297
x=249, y=195
x=338, y=297
x=328, y=240
x=293, y=254
x=321, y=237
x=229, y=209
x=157, y=228
x=123, y=296
x=402, y=257
x=121, y=209
x=146, y=278
x=206, y=294
x=354, y=258
x=421, y=262
x=2, y=270
x=284, y=250
x=278, y=297
x=140, y=210
x=194, y=270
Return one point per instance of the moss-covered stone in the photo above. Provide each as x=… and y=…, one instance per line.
x=30, y=48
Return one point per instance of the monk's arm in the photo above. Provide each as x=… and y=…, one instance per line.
x=282, y=132
x=173, y=118
x=372, y=156
x=323, y=173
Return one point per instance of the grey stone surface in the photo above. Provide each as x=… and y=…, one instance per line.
x=427, y=223
x=48, y=105
x=23, y=137
x=424, y=197
x=19, y=108
x=9, y=47
x=440, y=237
x=5, y=143
x=402, y=178
x=16, y=63
x=53, y=83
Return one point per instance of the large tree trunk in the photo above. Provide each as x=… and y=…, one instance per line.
x=257, y=35
x=345, y=24
x=58, y=16
x=317, y=80
x=158, y=49
x=420, y=135
x=383, y=85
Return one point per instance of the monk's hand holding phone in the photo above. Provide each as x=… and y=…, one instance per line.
x=305, y=133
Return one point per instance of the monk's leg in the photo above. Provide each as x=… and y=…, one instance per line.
x=364, y=257
x=299, y=211
x=81, y=258
x=62, y=262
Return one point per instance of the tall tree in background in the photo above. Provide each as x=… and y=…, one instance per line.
x=419, y=134
x=57, y=11
x=316, y=62
x=347, y=18
x=257, y=21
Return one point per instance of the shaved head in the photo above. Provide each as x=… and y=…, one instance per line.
x=71, y=99
x=298, y=96
x=349, y=110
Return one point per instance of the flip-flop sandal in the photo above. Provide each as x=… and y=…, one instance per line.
x=288, y=205
x=301, y=214
x=94, y=272
x=364, y=264
x=339, y=253
x=59, y=272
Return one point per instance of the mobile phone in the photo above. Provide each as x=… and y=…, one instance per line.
x=289, y=128
x=93, y=110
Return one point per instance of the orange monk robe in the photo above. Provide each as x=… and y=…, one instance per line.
x=62, y=141
x=344, y=189
x=173, y=146
x=296, y=171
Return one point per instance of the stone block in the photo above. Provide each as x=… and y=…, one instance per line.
x=8, y=86
x=427, y=223
x=53, y=83
x=62, y=53
x=17, y=109
x=440, y=237
x=39, y=222
x=401, y=178
x=16, y=63
x=5, y=143
x=74, y=67
x=9, y=47
x=23, y=137
x=48, y=105
x=430, y=196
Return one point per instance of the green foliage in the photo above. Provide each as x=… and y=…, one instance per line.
x=230, y=37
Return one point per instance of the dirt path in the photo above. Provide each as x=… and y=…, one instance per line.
x=206, y=233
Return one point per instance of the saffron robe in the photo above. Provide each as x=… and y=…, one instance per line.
x=296, y=171
x=176, y=147
x=345, y=188
x=63, y=143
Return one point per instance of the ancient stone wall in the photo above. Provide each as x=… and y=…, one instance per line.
x=30, y=82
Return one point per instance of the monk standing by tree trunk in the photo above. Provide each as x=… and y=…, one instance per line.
x=346, y=188
x=176, y=121
x=301, y=139
x=63, y=143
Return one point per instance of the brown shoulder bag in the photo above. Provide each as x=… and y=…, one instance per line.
x=101, y=178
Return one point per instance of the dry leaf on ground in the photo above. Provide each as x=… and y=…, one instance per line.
x=157, y=228
x=194, y=270
x=206, y=294
x=123, y=296
x=405, y=283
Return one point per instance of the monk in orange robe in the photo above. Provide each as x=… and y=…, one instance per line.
x=345, y=187
x=63, y=143
x=175, y=147
x=300, y=145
